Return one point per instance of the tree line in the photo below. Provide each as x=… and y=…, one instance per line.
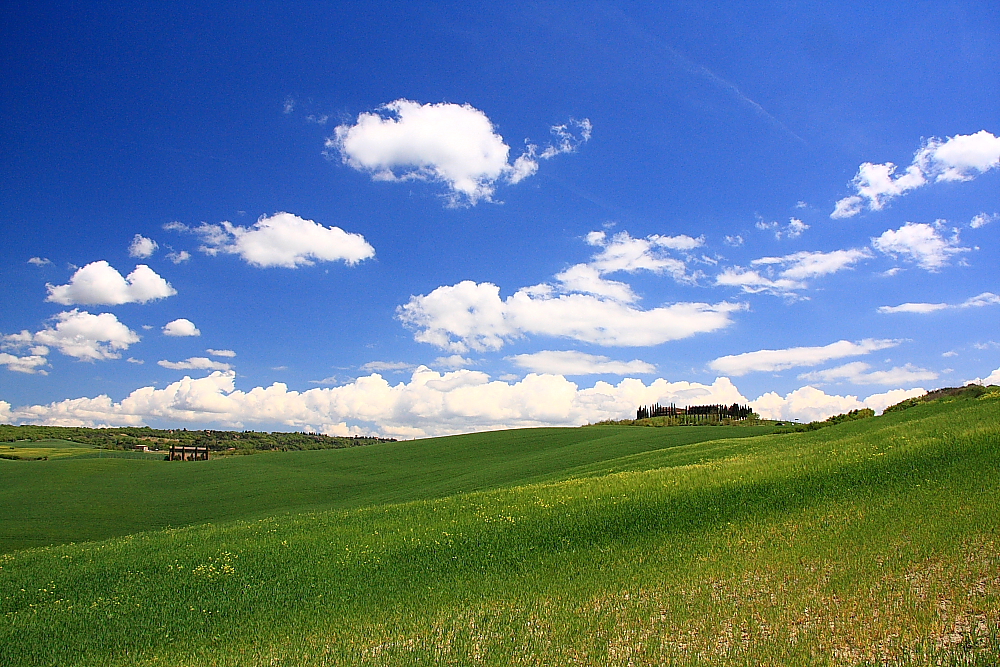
x=735, y=411
x=128, y=437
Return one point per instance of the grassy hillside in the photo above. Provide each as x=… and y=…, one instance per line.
x=869, y=542
x=88, y=498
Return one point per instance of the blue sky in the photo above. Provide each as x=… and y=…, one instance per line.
x=414, y=219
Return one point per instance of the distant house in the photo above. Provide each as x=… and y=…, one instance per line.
x=142, y=448
x=188, y=453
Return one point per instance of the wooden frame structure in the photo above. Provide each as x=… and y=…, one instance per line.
x=188, y=453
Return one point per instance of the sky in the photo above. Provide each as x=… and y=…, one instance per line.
x=416, y=219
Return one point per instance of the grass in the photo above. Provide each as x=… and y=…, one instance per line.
x=867, y=543
x=85, y=498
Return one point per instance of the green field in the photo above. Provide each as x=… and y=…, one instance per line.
x=870, y=542
x=53, y=502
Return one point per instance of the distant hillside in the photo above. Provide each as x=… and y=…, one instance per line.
x=129, y=437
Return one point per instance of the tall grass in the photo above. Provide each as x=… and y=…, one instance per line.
x=871, y=542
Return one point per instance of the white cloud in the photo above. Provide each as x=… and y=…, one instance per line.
x=860, y=373
x=778, y=360
x=810, y=404
x=753, y=282
x=958, y=158
x=133, y=360
x=980, y=220
x=40, y=261
x=733, y=241
x=283, y=239
x=992, y=378
x=978, y=301
x=142, y=247
x=913, y=308
x=848, y=207
x=804, y=265
x=221, y=353
x=431, y=403
x=795, y=270
x=382, y=366
x=30, y=364
x=454, y=144
x=98, y=283
x=571, y=362
x=624, y=253
x=793, y=230
x=567, y=140
x=453, y=362
x=179, y=257
x=920, y=243
x=569, y=137
x=181, y=327
x=195, y=364
x=627, y=254
x=79, y=334
x=473, y=316
x=587, y=279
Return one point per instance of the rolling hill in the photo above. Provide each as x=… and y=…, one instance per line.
x=867, y=542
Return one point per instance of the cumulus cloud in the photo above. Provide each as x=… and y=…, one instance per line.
x=195, y=364
x=76, y=334
x=571, y=362
x=978, y=301
x=430, y=403
x=919, y=243
x=98, y=283
x=858, y=372
x=958, y=158
x=779, y=360
x=992, y=378
x=142, y=247
x=181, y=327
x=221, y=353
x=283, y=239
x=454, y=144
x=40, y=261
x=810, y=404
x=473, y=316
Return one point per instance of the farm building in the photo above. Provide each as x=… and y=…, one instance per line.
x=188, y=453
